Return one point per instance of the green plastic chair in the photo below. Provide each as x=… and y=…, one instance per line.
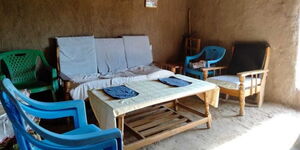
x=22, y=67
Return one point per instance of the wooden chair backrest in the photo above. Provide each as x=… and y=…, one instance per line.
x=192, y=46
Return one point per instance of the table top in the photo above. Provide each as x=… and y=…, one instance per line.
x=151, y=93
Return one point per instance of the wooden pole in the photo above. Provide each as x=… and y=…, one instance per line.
x=189, y=23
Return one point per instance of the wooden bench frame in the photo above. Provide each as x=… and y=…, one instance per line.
x=67, y=85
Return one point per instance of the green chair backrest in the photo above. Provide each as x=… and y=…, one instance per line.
x=21, y=65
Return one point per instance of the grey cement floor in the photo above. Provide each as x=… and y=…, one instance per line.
x=271, y=127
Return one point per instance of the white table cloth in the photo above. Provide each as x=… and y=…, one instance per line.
x=106, y=109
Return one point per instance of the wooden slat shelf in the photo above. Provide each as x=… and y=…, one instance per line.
x=156, y=122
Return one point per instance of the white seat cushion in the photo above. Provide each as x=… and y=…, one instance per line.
x=231, y=81
x=152, y=72
x=77, y=55
x=137, y=50
x=114, y=79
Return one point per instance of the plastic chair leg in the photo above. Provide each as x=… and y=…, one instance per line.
x=53, y=95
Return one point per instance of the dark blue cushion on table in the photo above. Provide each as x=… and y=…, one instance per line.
x=120, y=92
x=173, y=81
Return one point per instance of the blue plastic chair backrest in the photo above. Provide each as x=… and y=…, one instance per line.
x=15, y=104
x=214, y=52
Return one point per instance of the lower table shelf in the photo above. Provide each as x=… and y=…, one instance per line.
x=154, y=123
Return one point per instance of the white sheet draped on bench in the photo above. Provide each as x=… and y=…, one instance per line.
x=107, y=62
x=114, y=79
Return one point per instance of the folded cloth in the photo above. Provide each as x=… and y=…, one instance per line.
x=199, y=64
x=173, y=81
x=120, y=92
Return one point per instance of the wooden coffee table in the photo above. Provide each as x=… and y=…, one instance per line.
x=152, y=115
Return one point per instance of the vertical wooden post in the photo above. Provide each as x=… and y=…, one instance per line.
x=207, y=113
x=242, y=96
x=205, y=75
x=189, y=22
x=175, y=104
x=120, y=123
x=226, y=96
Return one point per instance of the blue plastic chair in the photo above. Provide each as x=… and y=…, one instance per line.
x=84, y=136
x=213, y=54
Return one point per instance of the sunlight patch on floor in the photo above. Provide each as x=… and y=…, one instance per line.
x=278, y=133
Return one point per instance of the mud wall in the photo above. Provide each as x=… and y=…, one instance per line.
x=221, y=22
x=32, y=24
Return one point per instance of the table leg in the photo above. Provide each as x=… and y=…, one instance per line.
x=207, y=113
x=120, y=123
x=175, y=104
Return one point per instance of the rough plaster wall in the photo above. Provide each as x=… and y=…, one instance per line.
x=33, y=24
x=222, y=22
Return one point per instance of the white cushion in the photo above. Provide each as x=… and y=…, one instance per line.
x=119, y=78
x=84, y=78
x=110, y=55
x=80, y=91
x=77, y=55
x=152, y=72
x=231, y=81
x=138, y=51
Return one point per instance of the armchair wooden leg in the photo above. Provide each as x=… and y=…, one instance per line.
x=242, y=105
x=242, y=96
x=260, y=98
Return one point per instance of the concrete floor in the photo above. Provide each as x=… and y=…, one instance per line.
x=271, y=127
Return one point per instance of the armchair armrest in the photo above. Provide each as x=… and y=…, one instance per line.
x=169, y=66
x=252, y=72
x=214, y=68
x=254, y=79
x=189, y=58
x=205, y=70
x=54, y=110
x=87, y=138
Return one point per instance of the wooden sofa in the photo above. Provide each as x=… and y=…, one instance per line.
x=86, y=63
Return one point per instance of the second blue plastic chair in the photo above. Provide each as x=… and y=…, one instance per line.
x=84, y=136
x=213, y=54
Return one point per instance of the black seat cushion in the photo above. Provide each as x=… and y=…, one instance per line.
x=247, y=56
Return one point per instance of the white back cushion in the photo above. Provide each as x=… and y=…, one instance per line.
x=77, y=55
x=110, y=55
x=137, y=50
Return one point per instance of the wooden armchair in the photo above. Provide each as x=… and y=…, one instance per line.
x=246, y=74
